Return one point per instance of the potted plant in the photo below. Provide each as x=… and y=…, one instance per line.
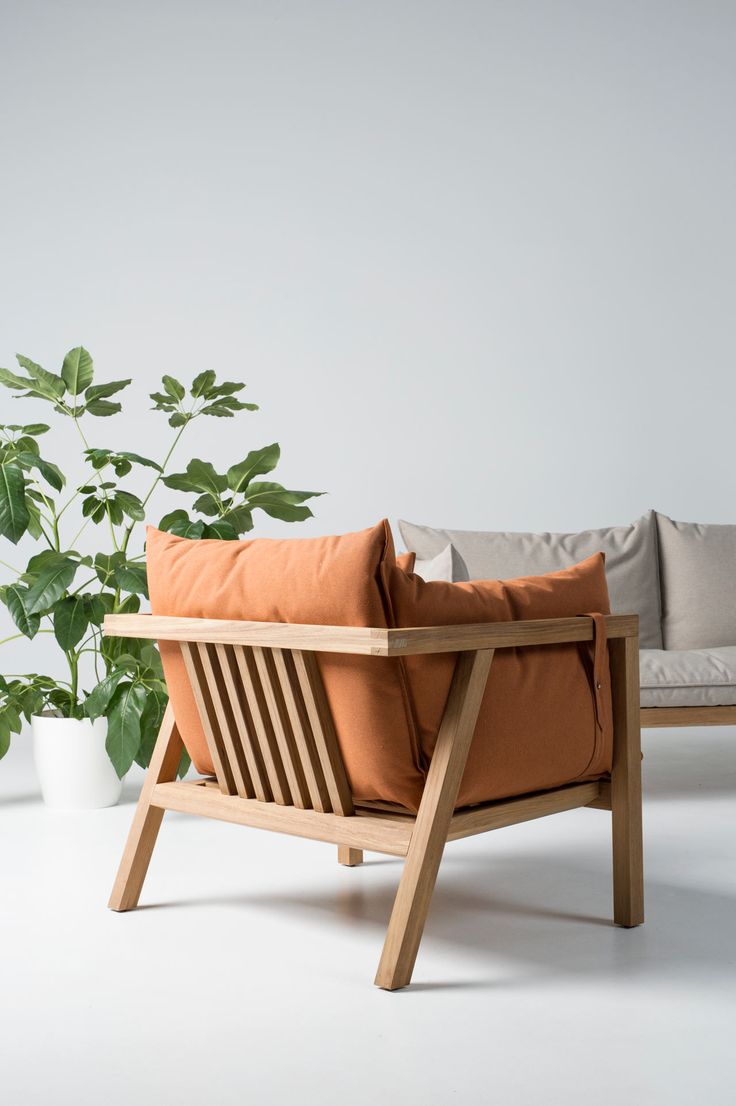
x=90, y=726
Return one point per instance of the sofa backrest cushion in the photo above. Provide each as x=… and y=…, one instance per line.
x=698, y=570
x=539, y=721
x=331, y=580
x=631, y=561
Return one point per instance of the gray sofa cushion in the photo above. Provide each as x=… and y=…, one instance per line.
x=688, y=678
x=447, y=565
x=631, y=561
x=698, y=569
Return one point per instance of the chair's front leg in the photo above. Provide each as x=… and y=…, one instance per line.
x=433, y=820
x=628, y=868
x=147, y=821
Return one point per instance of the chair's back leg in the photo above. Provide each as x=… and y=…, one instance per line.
x=348, y=856
x=433, y=820
x=144, y=831
x=628, y=874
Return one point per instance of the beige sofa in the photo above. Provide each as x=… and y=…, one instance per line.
x=679, y=577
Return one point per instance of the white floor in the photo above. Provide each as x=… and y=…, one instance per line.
x=246, y=975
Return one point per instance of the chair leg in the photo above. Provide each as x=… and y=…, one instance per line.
x=628, y=874
x=349, y=857
x=147, y=820
x=433, y=820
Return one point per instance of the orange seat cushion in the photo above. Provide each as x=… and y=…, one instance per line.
x=336, y=581
x=541, y=724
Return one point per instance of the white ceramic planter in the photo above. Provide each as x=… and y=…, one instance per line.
x=72, y=763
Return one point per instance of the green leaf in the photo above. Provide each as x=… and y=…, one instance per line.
x=15, y=599
x=220, y=529
x=35, y=428
x=151, y=719
x=131, y=505
x=202, y=383
x=178, y=419
x=200, y=476
x=96, y=703
x=277, y=502
x=77, y=370
x=51, y=584
x=173, y=518
x=173, y=388
x=4, y=736
x=225, y=389
x=49, y=384
x=132, y=577
x=138, y=460
x=49, y=471
x=70, y=621
x=240, y=518
x=13, y=509
x=10, y=380
x=163, y=401
x=102, y=408
x=100, y=391
x=257, y=463
x=124, y=726
x=105, y=566
x=207, y=504
x=97, y=606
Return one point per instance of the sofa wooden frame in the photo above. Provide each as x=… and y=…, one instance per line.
x=278, y=766
x=653, y=717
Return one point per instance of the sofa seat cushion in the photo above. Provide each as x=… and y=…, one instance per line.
x=538, y=725
x=632, y=565
x=331, y=580
x=688, y=677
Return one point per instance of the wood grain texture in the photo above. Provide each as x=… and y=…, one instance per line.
x=377, y=832
x=200, y=690
x=147, y=819
x=323, y=731
x=262, y=733
x=652, y=717
x=351, y=858
x=628, y=869
x=301, y=730
x=509, y=812
x=281, y=727
x=243, y=722
x=433, y=820
x=367, y=640
x=229, y=738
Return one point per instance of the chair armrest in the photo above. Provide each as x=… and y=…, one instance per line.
x=368, y=641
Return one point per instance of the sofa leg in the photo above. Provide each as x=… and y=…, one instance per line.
x=628, y=869
x=349, y=857
x=147, y=820
x=433, y=820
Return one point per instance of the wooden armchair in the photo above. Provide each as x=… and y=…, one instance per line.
x=278, y=764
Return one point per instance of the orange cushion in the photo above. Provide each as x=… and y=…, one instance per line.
x=537, y=726
x=331, y=580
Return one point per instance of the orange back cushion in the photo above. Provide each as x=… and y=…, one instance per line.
x=538, y=725
x=331, y=580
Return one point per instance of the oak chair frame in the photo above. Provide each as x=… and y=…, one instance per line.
x=653, y=717
x=278, y=765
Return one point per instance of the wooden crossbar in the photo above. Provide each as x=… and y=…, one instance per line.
x=277, y=761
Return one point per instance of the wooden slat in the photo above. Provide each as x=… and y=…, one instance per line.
x=232, y=744
x=351, y=858
x=281, y=725
x=262, y=728
x=370, y=641
x=508, y=812
x=243, y=722
x=379, y=833
x=303, y=737
x=602, y=800
x=628, y=875
x=323, y=731
x=433, y=820
x=687, y=716
x=208, y=717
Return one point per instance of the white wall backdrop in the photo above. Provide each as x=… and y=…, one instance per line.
x=476, y=260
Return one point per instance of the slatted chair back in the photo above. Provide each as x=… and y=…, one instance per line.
x=268, y=725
